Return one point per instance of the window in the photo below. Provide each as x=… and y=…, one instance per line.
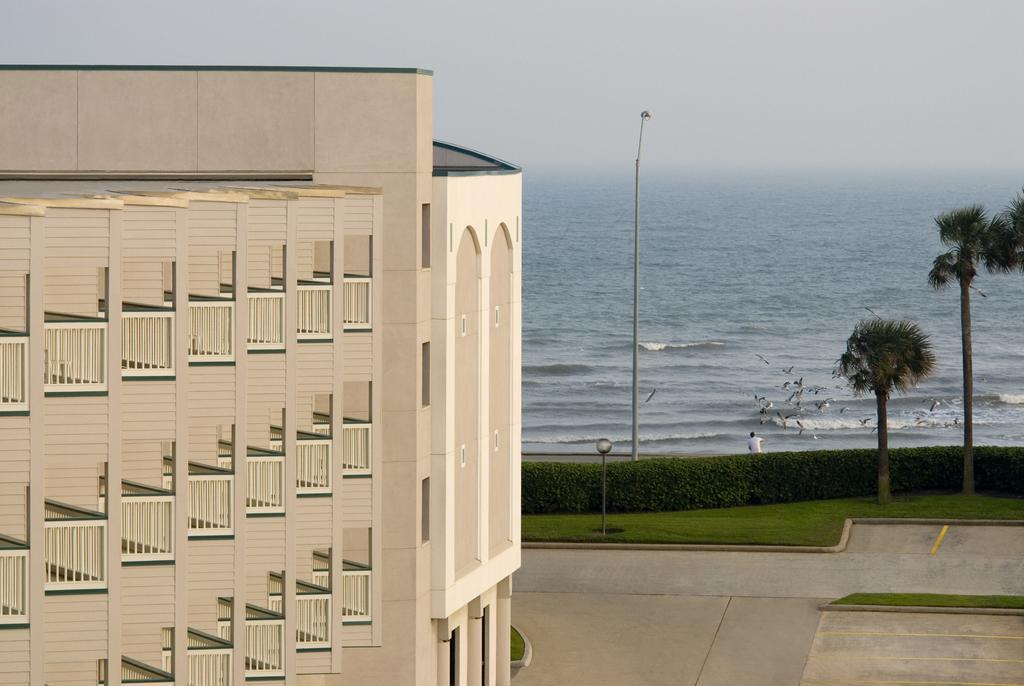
x=462, y=325
x=425, y=374
x=497, y=316
x=462, y=454
x=453, y=658
x=485, y=653
x=496, y=440
x=425, y=510
x=425, y=236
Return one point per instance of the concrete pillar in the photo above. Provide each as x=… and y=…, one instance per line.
x=502, y=637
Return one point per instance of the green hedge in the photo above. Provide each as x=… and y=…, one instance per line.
x=669, y=484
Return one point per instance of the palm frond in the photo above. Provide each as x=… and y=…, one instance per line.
x=884, y=355
x=944, y=270
x=962, y=227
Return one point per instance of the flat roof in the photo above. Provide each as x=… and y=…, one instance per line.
x=211, y=67
x=451, y=159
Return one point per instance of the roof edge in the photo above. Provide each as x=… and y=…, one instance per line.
x=210, y=67
x=504, y=165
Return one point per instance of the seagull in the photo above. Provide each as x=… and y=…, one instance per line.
x=934, y=405
x=762, y=358
x=843, y=409
x=800, y=424
x=980, y=292
x=649, y=397
x=872, y=312
x=784, y=419
x=788, y=371
x=864, y=422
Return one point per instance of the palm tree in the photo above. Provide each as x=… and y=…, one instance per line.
x=1011, y=235
x=882, y=356
x=974, y=241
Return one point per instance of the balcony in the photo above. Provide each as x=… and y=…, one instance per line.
x=211, y=330
x=264, y=493
x=135, y=672
x=313, y=311
x=13, y=371
x=358, y=303
x=209, y=658
x=147, y=522
x=264, y=638
x=356, y=454
x=312, y=609
x=13, y=581
x=147, y=341
x=210, y=498
x=313, y=460
x=75, y=353
x=266, y=319
x=75, y=548
x=355, y=592
x=322, y=423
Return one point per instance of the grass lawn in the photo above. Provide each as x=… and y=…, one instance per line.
x=518, y=647
x=816, y=522
x=1014, y=602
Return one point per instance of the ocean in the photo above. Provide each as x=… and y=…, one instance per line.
x=736, y=266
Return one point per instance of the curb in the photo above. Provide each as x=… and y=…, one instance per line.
x=910, y=609
x=527, y=651
x=839, y=547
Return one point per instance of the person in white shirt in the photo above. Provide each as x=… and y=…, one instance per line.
x=755, y=443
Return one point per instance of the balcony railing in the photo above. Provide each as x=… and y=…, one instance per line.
x=75, y=353
x=356, y=455
x=147, y=341
x=313, y=464
x=265, y=493
x=264, y=638
x=358, y=303
x=210, y=500
x=312, y=608
x=209, y=658
x=13, y=581
x=355, y=592
x=322, y=568
x=313, y=314
x=322, y=423
x=147, y=521
x=75, y=547
x=266, y=320
x=211, y=330
x=135, y=672
x=13, y=372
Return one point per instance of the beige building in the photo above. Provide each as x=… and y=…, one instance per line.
x=286, y=321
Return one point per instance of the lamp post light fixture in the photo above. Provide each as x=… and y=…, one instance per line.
x=604, y=446
x=644, y=116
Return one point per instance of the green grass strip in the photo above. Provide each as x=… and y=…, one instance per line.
x=1010, y=602
x=518, y=646
x=810, y=523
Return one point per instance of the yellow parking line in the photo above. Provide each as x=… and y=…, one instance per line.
x=938, y=541
x=928, y=635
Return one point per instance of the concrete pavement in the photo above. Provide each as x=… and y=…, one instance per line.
x=733, y=619
x=898, y=648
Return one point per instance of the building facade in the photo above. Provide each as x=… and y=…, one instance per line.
x=286, y=321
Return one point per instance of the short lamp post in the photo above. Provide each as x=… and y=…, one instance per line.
x=604, y=446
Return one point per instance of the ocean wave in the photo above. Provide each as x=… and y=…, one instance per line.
x=1011, y=398
x=556, y=369
x=658, y=347
x=644, y=438
x=895, y=423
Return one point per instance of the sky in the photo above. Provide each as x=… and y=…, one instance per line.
x=785, y=84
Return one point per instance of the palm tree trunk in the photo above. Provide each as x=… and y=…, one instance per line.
x=965, y=333
x=884, y=491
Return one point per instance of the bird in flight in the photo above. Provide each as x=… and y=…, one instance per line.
x=762, y=358
x=649, y=397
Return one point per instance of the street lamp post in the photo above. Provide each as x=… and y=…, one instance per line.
x=604, y=446
x=644, y=116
